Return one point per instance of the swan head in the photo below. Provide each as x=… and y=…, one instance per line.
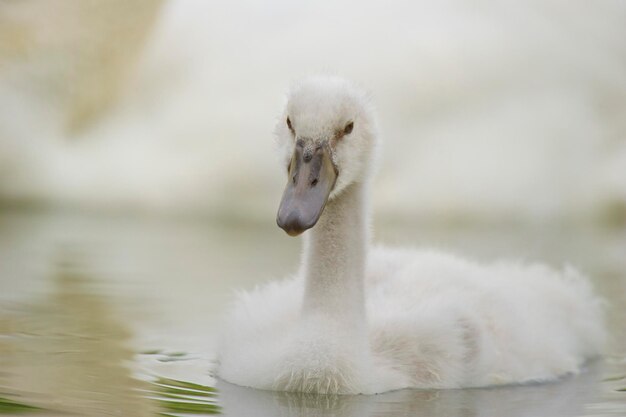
x=327, y=139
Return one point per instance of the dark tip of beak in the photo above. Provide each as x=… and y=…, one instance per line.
x=292, y=223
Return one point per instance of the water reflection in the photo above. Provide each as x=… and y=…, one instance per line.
x=69, y=352
x=114, y=316
x=564, y=398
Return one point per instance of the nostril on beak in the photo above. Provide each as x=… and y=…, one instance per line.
x=293, y=179
x=314, y=182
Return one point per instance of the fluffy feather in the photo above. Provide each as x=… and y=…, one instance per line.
x=367, y=320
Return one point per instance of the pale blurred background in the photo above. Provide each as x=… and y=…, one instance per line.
x=139, y=184
x=488, y=110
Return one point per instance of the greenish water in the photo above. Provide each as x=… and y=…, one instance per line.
x=115, y=315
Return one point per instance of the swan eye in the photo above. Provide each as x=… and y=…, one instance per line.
x=289, y=125
x=348, y=129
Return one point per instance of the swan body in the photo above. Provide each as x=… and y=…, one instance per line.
x=361, y=319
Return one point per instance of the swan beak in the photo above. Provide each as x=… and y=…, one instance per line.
x=312, y=176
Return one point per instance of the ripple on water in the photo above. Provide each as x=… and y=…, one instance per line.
x=81, y=297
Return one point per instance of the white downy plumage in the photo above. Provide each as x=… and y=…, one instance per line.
x=361, y=319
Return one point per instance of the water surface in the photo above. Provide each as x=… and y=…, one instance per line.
x=106, y=314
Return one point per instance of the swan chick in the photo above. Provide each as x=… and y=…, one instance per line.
x=361, y=319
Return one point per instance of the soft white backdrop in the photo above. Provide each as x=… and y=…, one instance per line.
x=488, y=109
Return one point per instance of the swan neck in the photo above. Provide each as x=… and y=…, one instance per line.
x=334, y=259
